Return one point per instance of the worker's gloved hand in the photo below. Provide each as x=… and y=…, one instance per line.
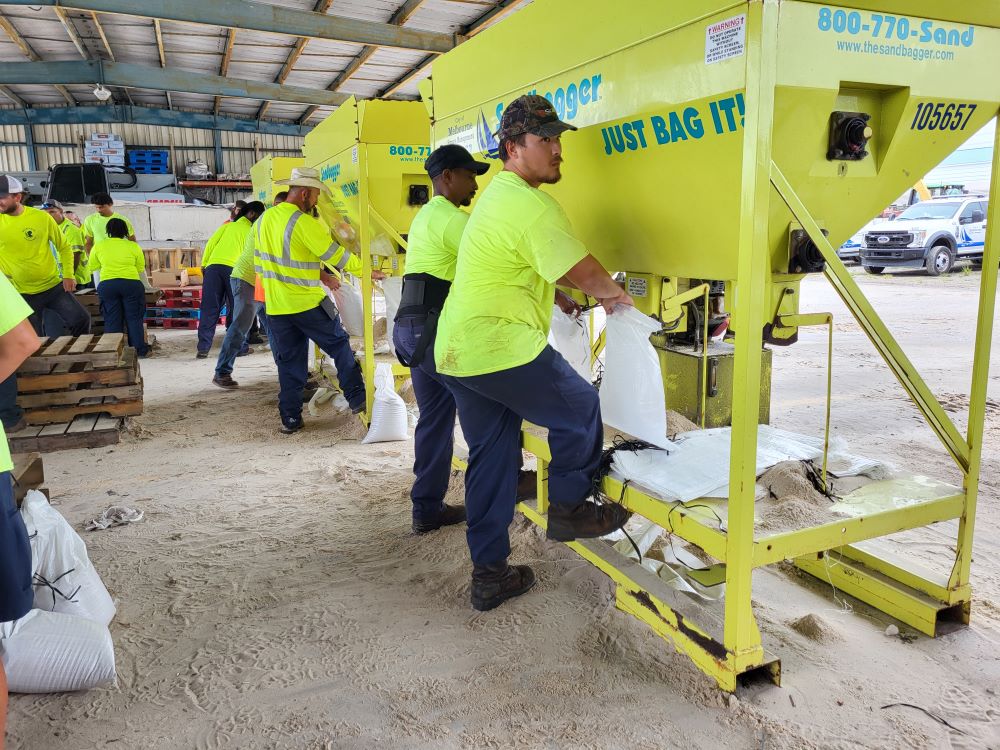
x=378, y=275
x=623, y=298
x=69, y=285
x=567, y=304
x=329, y=280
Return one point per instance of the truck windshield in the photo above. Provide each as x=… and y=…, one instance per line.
x=929, y=210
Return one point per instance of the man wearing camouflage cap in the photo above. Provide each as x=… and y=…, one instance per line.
x=491, y=347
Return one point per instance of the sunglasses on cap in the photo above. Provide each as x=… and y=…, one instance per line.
x=46, y=206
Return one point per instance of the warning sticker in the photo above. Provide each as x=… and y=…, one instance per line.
x=725, y=39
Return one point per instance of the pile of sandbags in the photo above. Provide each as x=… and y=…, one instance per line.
x=63, y=643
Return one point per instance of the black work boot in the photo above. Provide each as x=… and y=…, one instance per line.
x=527, y=485
x=584, y=521
x=451, y=514
x=492, y=585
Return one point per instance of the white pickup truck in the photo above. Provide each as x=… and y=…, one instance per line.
x=932, y=235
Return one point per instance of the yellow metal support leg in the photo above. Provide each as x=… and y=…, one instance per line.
x=365, y=233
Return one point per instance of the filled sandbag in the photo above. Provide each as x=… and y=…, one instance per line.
x=64, y=579
x=50, y=652
x=389, y=418
x=351, y=307
x=392, y=288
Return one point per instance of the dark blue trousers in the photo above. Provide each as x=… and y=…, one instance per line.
x=546, y=392
x=10, y=412
x=123, y=302
x=15, y=556
x=292, y=334
x=216, y=293
x=433, y=440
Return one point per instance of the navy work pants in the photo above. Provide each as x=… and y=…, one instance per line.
x=64, y=305
x=216, y=293
x=15, y=556
x=123, y=302
x=546, y=392
x=433, y=440
x=291, y=335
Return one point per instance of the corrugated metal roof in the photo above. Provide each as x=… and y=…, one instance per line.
x=255, y=56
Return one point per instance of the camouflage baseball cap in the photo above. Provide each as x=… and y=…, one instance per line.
x=531, y=114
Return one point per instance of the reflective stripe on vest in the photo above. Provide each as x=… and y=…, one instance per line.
x=287, y=279
x=342, y=263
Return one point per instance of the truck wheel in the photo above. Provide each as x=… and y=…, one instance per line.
x=874, y=270
x=939, y=260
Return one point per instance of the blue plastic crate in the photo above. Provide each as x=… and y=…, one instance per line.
x=150, y=169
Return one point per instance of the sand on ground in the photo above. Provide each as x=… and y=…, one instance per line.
x=274, y=596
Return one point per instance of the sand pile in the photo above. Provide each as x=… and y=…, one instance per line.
x=790, y=500
x=815, y=628
x=678, y=423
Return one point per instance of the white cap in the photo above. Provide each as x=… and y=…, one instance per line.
x=304, y=177
x=9, y=184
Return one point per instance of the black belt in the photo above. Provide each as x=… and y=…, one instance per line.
x=423, y=297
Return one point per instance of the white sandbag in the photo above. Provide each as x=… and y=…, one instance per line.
x=349, y=303
x=64, y=579
x=389, y=419
x=632, y=387
x=49, y=652
x=570, y=336
x=392, y=288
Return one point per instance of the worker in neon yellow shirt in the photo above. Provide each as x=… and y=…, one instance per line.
x=292, y=249
x=27, y=260
x=120, y=263
x=491, y=347
x=431, y=254
x=74, y=238
x=221, y=253
x=95, y=226
x=245, y=307
x=17, y=342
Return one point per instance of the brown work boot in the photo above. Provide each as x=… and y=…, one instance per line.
x=19, y=425
x=450, y=515
x=225, y=381
x=584, y=521
x=492, y=585
x=527, y=485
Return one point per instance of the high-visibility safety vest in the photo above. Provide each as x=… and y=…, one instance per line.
x=291, y=247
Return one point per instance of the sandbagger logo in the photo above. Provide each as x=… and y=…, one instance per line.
x=485, y=139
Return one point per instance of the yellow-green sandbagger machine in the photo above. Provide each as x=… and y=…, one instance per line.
x=734, y=145
x=268, y=171
x=371, y=154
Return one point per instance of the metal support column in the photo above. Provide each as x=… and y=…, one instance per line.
x=980, y=374
x=741, y=635
x=368, y=363
x=29, y=142
x=220, y=167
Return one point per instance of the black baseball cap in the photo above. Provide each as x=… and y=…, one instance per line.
x=453, y=156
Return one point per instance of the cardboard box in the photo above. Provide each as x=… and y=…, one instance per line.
x=111, y=161
x=104, y=137
x=161, y=279
x=103, y=144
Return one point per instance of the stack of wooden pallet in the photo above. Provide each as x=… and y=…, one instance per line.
x=28, y=474
x=74, y=392
x=92, y=304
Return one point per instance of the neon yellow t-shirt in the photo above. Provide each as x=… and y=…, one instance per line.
x=74, y=238
x=13, y=309
x=517, y=244
x=226, y=243
x=243, y=267
x=25, y=256
x=116, y=258
x=435, y=234
x=96, y=226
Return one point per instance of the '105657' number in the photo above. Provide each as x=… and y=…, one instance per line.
x=941, y=116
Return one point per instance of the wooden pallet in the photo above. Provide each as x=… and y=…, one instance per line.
x=94, y=405
x=28, y=474
x=85, y=431
x=79, y=374
x=99, y=352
